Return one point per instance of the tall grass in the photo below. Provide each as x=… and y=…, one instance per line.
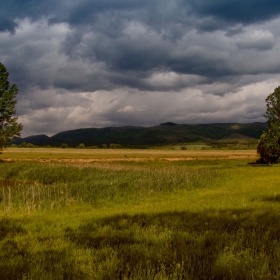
x=35, y=186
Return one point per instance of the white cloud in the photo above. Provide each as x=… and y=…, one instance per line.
x=257, y=40
x=129, y=109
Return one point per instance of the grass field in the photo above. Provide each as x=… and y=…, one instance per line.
x=147, y=214
x=88, y=155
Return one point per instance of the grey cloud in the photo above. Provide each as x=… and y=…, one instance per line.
x=257, y=40
x=129, y=55
x=112, y=100
x=200, y=61
x=87, y=11
x=210, y=24
x=91, y=61
x=232, y=31
x=15, y=10
x=159, y=15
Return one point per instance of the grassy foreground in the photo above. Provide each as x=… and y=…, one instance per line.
x=166, y=216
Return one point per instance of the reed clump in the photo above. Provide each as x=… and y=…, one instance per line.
x=31, y=187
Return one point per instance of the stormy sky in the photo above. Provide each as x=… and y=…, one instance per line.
x=97, y=63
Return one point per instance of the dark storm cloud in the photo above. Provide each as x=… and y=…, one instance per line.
x=160, y=46
x=14, y=10
x=7, y=25
x=237, y=11
x=99, y=34
x=158, y=13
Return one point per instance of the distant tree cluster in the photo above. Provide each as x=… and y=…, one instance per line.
x=111, y=146
x=27, y=145
x=81, y=146
x=65, y=146
x=115, y=146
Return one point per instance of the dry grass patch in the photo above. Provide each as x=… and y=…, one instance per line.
x=125, y=155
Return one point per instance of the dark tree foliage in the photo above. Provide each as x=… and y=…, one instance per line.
x=9, y=128
x=269, y=143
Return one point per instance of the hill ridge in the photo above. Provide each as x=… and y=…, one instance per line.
x=165, y=133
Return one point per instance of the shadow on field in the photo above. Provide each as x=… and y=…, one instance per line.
x=258, y=164
x=229, y=244
x=225, y=244
x=22, y=258
x=272, y=198
x=10, y=227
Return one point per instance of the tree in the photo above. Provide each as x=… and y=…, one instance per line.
x=64, y=145
x=82, y=146
x=269, y=143
x=9, y=127
x=115, y=146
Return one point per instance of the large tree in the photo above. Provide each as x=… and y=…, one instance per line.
x=269, y=143
x=9, y=127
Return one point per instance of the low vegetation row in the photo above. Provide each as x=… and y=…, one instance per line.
x=216, y=145
x=65, y=146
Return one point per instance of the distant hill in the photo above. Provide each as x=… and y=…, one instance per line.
x=165, y=133
x=34, y=139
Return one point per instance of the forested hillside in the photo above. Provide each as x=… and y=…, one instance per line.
x=165, y=133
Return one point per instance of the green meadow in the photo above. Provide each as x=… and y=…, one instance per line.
x=128, y=214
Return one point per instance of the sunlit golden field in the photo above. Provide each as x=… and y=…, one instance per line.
x=88, y=155
x=138, y=214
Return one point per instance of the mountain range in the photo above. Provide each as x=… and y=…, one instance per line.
x=163, y=134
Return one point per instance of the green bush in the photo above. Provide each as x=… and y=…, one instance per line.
x=81, y=146
x=115, y=146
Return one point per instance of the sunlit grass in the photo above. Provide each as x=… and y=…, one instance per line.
x=151, y=219
x=57, y=154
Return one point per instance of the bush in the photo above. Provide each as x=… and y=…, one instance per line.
x=81, y=146
x=269, y=148
x=115, y=146
x=64, y=145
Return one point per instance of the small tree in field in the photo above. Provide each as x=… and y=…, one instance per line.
x=64, y=145
x=9, y=128
x=82, y=146
x=269, y=143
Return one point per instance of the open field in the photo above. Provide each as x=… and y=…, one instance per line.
x=138, y=214
x=88, y=155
